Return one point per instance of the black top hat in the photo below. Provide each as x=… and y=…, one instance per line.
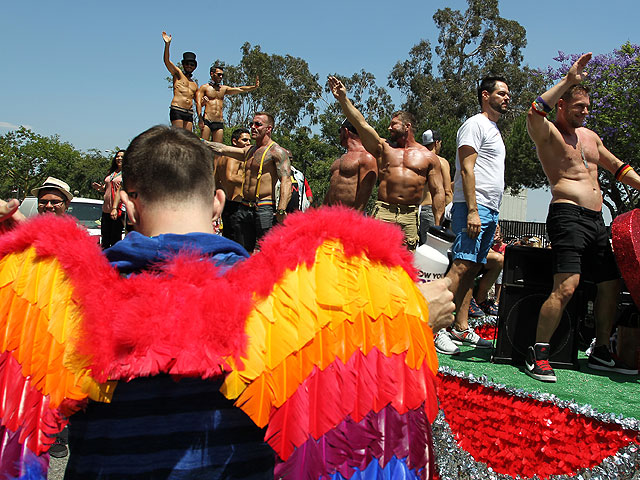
x=189, y=57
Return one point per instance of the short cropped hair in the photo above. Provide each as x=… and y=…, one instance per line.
x=168, y=164
x=575, y=90
x=270, y=118
x=405, y=117
x=489, y=84
x=215, y=67
x=238, y=132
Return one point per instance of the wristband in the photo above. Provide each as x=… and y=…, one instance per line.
x=545, y=105
x=538, y=108
x=280, y=211
x=622, y=171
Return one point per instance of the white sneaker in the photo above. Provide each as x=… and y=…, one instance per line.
x=444, y=344
x=470, y=337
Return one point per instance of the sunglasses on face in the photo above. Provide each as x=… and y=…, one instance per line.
x=256, y=124
x=54, y=203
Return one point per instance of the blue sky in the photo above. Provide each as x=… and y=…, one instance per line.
x=92, y=72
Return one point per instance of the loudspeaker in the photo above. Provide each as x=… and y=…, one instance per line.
x=527, y=283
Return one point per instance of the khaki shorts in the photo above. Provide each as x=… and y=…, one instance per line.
x=406, y=216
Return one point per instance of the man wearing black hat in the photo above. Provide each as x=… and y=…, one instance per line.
x=184, y=88
x=354, y=174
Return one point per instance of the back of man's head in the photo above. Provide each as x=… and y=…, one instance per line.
x=167, y=164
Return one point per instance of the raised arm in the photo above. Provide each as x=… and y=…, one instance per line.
x=173, y=70
x=538, y=126
x=222, y=149
x=468, y=156
x=369, y=137
x=244, y=89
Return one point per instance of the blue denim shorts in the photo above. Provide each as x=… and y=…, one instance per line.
x=472, y=249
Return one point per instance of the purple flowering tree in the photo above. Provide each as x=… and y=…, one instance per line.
x=614, y=83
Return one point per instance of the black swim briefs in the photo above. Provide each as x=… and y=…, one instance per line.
x=580, y=242
x=213, y=126
x=179, y=113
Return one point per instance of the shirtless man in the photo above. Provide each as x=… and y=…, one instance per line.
x=209, y=101
x=266, y=162
x=570, y=155
x=229, y=174
x=404, y=166
x=354, y=174
x=432, y=140
x=184, y=89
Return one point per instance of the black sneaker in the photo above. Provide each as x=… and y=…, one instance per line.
x=59, y=448
x=602, y=359
x=537, y=363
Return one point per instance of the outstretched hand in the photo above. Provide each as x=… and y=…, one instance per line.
x=166, y=37
x=440, y=299
x=575, y=74
x=9, y=211
x=337, y=88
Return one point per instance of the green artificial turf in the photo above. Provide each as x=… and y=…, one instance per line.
x=606, y=392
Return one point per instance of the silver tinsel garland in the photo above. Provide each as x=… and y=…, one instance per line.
x=454, y=463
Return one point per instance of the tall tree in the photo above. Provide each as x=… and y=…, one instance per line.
x=28, y=158
x=614, y=83
x=288, y=90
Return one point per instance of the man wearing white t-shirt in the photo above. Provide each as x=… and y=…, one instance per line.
x=477, y=193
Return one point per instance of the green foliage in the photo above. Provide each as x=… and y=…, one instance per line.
x=288, y=90
x=28, y=159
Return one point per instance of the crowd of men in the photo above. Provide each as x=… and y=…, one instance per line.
x=414, y=184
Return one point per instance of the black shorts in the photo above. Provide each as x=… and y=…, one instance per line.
x=213, y=126
x=580, y=242
x=177, y=113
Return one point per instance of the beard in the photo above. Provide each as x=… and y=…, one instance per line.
x=499, y=107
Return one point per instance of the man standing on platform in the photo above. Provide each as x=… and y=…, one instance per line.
x=229, y=174
x=265, y=163
x=477, y=194
x=404, y=167
x=210, y=103
x=184, y=88
x=354, y=174
x=570, y=155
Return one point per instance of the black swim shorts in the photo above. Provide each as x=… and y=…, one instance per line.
x=580, y=242
x=213, y=126
x=178, y=113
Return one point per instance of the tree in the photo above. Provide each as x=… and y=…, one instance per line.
x=29, y=158
x=614, y=83
x=288, y=90
x=471, y=45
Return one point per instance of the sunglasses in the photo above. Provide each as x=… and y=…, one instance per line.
x=256, y=124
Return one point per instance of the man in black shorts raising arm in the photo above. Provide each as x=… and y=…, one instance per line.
x=570, y=155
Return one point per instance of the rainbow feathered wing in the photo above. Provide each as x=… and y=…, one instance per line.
x=322, y=336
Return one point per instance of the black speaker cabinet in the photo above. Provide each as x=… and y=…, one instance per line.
x=527, y=282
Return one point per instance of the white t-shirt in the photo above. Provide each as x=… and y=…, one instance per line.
x=483, y=136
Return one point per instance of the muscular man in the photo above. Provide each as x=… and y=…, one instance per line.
x=477, y=194
x=210, y=100
x=354, y=174
x=229, y=174
x=404, y=166
x=266, y=162
x=184, y=89
x=570, y=155
x=433, y=141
